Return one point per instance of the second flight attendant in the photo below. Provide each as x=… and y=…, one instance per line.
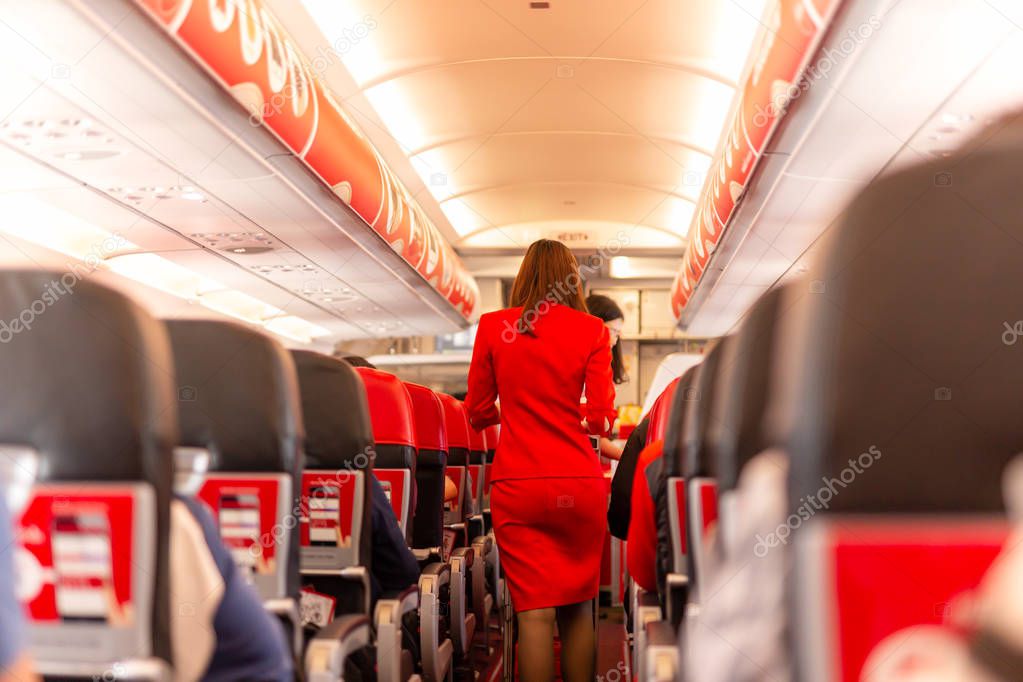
x=548, y=495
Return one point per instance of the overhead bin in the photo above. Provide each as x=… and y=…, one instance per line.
x=243, y=45
x=783, y=50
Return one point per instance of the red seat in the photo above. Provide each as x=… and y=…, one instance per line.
x=431, y=466
x=390, y=411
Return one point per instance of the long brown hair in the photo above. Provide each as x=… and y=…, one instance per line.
x=549, y=274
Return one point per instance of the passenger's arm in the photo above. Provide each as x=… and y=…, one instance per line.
x=600, y=388
x=609, y=449
x=218, y=624
x=15, y=665
x=481, y=398
x=394, y=565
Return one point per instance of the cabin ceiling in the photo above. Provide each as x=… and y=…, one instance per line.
x=581, y=121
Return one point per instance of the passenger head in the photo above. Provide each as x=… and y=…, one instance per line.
x=613, y=318
x=549, y=274
x=358, y=361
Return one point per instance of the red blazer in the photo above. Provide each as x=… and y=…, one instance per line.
x=539, y=380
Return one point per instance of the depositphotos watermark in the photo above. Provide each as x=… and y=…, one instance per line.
x=811, y=504
x=56, y=289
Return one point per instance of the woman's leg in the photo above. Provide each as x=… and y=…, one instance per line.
x=578, y=642
x=536, y=645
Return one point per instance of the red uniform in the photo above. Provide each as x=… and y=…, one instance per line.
x=548, y=496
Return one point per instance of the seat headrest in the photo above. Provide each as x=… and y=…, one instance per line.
x=237, y=396
x=701, y=412
x=456, y=421
x=911, y=342
x=737, y=434
x=660, y=412
x=338, y=431
x=87, y=376
x=390, y=408
x=428, y=414
x=673, y=452
x=493, y=435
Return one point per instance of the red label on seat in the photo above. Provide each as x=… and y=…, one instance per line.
x=888, y=577
x=246, y=512
x=75, y=555
x=395, y=484
x=328, y=506
x=708, y=505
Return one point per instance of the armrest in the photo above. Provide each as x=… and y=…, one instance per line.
x=331, y=646
x=464, y=554
x=436, y=649
x=660, y=633
x=661, y=655
x=482, y=544
x=388, y=619
x=286, y=609
x=676, y=587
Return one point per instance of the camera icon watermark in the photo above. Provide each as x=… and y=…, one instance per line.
x=438, y=179
x=817, y=286
x=60, y=71
x=943, y=179
x=943, y=393
x=691, y=394
x=187, y=394
x=565, y=501
x=565, y=71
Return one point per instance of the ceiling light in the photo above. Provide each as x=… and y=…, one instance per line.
x=620, y=267
x=68, y=235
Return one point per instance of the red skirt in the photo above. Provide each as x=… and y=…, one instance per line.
x=550, y=534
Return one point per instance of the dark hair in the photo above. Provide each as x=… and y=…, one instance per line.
x=358, y=361
x=549, y=273
x=604, y=308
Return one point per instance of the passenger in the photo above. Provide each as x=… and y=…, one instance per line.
x=548, y=493
x=236, y=639
x=614, y=319
x=15, y=665
x=358, y=361
x=394, y=567
x=619, y=510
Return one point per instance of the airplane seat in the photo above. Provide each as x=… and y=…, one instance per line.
x=477, y=463
x=92, y=422
x=336, y=500
x=903, y=412
x=483, y=596
x=457, y=426
x=431, y=466
x=702, y=461
x=428, y=528
x=239, y=400
x=641, y=546
x=670, y=501
x=335, y=533
x=390, y=410
x=457, y=546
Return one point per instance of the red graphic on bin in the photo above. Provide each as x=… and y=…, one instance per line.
x=244, y=46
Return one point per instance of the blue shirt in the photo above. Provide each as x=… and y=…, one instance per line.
x=394, y=567
x=251, y=644
x=12, y=629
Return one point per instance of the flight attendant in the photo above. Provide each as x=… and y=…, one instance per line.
x=610, y=313
x=548, y=496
